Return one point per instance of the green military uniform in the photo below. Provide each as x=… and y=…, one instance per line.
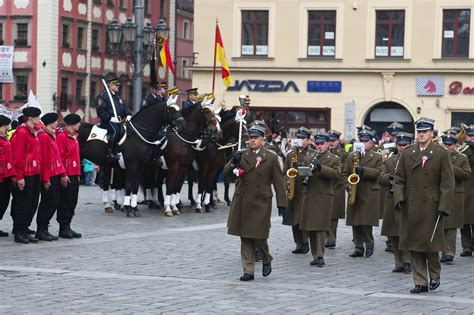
x=303, y=157
x=467, y=232
x=424, y=184
x=251, y=208
x=363, y=214
x=318, y=202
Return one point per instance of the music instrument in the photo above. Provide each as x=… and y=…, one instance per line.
x=395, y=171
x=291, y=173
x=307, y=179
x=353, y=179
x=462, y=137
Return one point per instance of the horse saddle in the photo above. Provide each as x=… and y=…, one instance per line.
x=99, y=133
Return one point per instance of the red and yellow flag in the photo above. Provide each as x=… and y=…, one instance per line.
x=220, y=55
x=165, y=57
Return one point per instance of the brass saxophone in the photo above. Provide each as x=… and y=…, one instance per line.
x=291, y=173
x=353, y=179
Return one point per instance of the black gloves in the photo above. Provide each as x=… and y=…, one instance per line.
x=441, y=214
x=359, y=170
x=298, y=164
x=391, y=176
x=282, y=212
x=236, y=157
x=399, y=206
x=316, y=165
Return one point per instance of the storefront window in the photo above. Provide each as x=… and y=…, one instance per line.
x=296, y=117
x=462, y=117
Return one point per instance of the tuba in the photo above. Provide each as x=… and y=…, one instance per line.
x=291, y=173
x=353, y=179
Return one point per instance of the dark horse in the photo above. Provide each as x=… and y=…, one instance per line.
x=142, y=133
x=180, y=152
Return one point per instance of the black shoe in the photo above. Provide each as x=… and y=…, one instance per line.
x=258, y=256
x=302, y=250
x=247, y=277
x=64, y=233
x=43, y=235
x=356, y=254
x=465, y=253
x=266, y=269
x=407, y=268
x=330, y=245
x=3, y=234
x=318, y=262
x=449, y=260
x=442, y=259
x=419, y=289
x=369, y=252
x=30, y=231
x=398, y=269
x=305, y=248
x=21, y=238
x=112, y=157
x=31, y=238
x=75, y=234
x=434, y=284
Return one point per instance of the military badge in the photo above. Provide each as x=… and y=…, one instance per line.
x=259, y=159
x=424, y=158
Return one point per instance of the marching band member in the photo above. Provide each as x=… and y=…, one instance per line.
x=391, y=218
x=318, y=197
x=7, y=171
x=423, y=192
x=467, y=232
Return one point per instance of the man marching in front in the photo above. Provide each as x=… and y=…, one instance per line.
x=423, y=192
x=249, y=215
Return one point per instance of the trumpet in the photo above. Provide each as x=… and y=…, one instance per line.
x=291, y=173
x=353, y=179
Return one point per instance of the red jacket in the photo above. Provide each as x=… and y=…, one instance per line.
x=25, y=150
x=51, y=164
x=69, y=151
x=6, y=159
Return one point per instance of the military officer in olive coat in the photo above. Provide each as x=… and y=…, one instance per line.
x=318, y=197
x=423, y=191
x=249, y=215
x=364, y=213
x=391, y=217
x=300, y=155
x=467, y=232
x=339, y=204
x=462, y=172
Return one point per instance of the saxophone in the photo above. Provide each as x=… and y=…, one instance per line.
x=291, y=173
x=353, y=179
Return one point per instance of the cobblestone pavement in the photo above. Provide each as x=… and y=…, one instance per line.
x=188, y=264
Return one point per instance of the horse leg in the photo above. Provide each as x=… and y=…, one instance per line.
x=226, y=190
x=159, y=187
x=105, y=184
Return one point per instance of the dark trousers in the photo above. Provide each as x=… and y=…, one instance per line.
x=48, y=203
x=423, y=264
x=248, y=246
x=25, y=203
x=362, y=234
x=299, y=236
x=68, y=201
x=5, y=191
x=467, y=237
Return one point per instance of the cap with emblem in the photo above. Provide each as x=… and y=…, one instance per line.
x=4, y=120
x=362, y=128
x=31, y=112
x=404, y=138
x=193, y=91
x=321, y=138
x=49, y=118
x=334, y=135
x=111, y=78
x=303, y=133
x=470, y=130
x=394, y=128
x=453, y=130
x=256, y=131
x=366, y=135
x=72, y=119
x=424, y=123
x=260, y=123
x=449, y=139
x=173, y=90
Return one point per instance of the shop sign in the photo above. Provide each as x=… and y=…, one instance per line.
x=456, y=88
x=324, y=86
x=430, y=86
x=263, y=86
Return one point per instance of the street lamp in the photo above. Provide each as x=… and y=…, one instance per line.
x=137, y=45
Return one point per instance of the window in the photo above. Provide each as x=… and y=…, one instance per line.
x=1, y=91
x=321, y=33
x=80, y=99
x=123, y=4
x=254, y=33
x=80, y=38
x=66, y=33
x=456, y=29
x=65, y=99
x=95, y=39
x=147, y=7
x=389, y=33
x=110, y=3
x=1, y=34
x=315, y=119
x=163, y=9
x=93, y=92
x=462, y=117
x=185, y=73
x=21, y=87
x=186, y=30
x=22, y=34
x=98, y=1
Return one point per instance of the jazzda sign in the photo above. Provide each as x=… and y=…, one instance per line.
x=456, y=88
x=264, y=86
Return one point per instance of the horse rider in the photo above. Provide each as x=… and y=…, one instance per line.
x=157, y=95
x=191, y=101
x=107, y=116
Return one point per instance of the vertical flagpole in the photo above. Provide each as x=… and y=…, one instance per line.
x=214, y=69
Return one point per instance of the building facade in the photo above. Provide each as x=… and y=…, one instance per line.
x=62, y=50
x=334, y=64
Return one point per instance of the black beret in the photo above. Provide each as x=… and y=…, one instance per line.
x=15, y=124
x=4, y=120
x=72, y=119
x=49, y=118
x=21, y=119
x=31, y=112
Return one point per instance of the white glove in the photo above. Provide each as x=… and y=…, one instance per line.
x=128, y=118
x=114, y=120
x=172, y=100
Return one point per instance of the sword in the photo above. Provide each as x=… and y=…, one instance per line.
x=110, y=98
x=434, y=230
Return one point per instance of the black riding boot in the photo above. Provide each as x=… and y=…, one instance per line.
x=111, y=150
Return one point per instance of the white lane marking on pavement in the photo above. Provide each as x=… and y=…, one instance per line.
x=276, y=285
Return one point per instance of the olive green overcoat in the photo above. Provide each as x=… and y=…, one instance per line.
x=391, y=217
x=469, y=191
x=339, y=204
